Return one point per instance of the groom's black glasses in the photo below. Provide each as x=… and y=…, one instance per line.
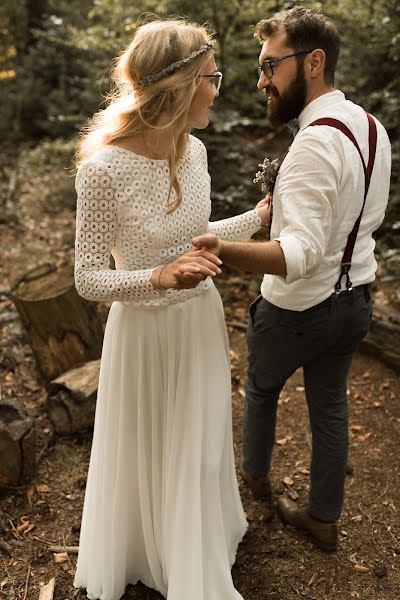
x=268, y=65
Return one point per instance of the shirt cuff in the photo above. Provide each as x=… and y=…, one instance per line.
x=294, y=257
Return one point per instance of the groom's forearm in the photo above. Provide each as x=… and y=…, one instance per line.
x=256, y=257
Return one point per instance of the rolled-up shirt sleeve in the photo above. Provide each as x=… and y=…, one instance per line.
x=305, y=197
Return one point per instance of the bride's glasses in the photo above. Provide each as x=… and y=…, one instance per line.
x=216, y=79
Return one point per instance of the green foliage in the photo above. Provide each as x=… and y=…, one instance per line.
x=55, y=58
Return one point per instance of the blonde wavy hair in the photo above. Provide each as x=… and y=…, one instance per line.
x=131, y=110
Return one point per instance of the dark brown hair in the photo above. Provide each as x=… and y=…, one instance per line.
x=305, y=30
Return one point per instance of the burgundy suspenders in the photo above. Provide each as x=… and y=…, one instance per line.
x=351, y=240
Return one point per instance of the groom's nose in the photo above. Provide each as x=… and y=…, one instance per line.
x=263, y=81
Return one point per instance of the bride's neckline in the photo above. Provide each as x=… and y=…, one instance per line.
x=135, y=154
x=145, y=158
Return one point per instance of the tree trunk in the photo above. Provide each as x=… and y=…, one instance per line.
x=63, y=329
x=383, y=339
x=71, y=399
x=17, y=445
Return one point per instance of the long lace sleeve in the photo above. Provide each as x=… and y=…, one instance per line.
x=239, y=228
x=96, y=231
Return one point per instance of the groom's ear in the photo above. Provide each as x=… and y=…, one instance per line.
x=316, y=63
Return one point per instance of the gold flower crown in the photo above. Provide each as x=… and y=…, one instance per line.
x=150, y=79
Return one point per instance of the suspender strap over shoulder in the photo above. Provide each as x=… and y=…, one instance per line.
x=351, y=240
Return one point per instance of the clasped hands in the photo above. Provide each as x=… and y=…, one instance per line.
x=202, y=261
x=188, y=270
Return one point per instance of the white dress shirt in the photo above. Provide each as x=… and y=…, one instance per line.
x=317, y=198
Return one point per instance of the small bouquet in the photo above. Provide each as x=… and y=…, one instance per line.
x=267, y=175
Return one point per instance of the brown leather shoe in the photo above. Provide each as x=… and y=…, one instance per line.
x=323, y=535
x=261, y=489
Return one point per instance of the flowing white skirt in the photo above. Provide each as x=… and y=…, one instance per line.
x=162, y=503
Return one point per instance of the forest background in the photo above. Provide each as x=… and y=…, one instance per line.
x=55, y=58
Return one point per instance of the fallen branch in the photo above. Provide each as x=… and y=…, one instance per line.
x=378, y=521
x=237, y=325
x=45, y=448
x=27, y=583
x=374, y=500
x=67, y=549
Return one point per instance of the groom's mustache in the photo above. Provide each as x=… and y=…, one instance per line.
x=271, y=89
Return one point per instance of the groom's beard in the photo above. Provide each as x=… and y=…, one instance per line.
x=284, y=107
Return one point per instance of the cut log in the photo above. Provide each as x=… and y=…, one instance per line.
x=63, y=329
x=71, y=401
x=383, y=339
x=17, y=445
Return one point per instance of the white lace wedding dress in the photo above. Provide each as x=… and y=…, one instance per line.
x=162, y=504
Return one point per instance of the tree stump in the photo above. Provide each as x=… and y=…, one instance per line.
x=17, y=445
x=71, y=399
x=383, y=339
x=63, y=329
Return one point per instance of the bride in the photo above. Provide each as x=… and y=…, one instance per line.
x=162, y=504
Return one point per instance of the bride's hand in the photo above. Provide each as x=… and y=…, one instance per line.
x=264, y=211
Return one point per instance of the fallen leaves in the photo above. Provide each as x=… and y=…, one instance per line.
x=283, y=400
x=285, y=440
x=304, y=471
x=357, y=566
x=364, y=437
x=42, y=488
x=355, y=430
x=234, y=356
x=361, y=569
x=291, y=492
x=62, y=559
x=23, y=528
x=356, y=518
x=288, y=481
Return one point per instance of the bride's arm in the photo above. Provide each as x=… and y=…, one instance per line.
x=241, y=227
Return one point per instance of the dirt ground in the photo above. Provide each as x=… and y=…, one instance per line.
x=274, y=561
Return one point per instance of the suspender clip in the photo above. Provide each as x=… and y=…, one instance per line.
x=344, y=270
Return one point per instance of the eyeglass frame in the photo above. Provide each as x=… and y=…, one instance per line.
x=217, y=75
x=272, y=61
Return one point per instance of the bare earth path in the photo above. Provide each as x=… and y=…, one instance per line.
x=274, y=562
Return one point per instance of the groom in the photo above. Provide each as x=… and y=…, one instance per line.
x=313, y=310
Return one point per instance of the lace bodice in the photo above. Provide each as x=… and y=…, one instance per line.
x=121, y=210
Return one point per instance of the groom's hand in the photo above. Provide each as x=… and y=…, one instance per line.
x=199, y=264
x=208, y=243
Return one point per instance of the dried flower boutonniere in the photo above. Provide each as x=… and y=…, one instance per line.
x=267, y=175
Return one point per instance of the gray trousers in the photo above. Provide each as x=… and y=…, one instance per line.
x=322, y=340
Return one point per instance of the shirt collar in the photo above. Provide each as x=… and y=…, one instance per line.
x=319, y=107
